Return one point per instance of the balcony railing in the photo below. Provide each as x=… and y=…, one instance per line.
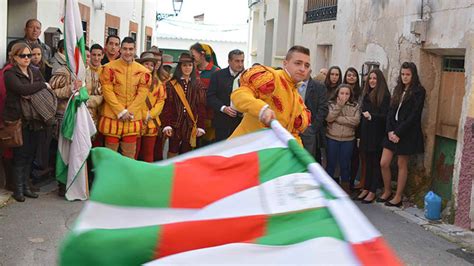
x=253, y=2
x=321, y=10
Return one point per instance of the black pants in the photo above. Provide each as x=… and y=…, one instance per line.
x=23, y=156
x=373, y=176
x=312, y=143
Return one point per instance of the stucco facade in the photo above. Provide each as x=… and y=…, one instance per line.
x=131, y=14
x=388, y=32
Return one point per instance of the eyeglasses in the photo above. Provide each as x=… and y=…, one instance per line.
x=25, y=55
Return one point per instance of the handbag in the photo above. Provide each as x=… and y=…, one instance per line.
x=11, y=134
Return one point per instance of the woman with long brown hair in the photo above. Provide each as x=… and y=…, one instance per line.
x=22, y=80
x=37, y=61
x=152, y=109
x=184, y=110
x=375, y=105
x=404, y=135
x=342, y=119
x=333, y=80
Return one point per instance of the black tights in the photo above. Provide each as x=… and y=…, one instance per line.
x=374, y=174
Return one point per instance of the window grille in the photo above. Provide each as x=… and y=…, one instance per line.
x=321, y=10
x=453, y=64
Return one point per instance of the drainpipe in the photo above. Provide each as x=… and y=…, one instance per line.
x=422, y=4
x=142, y=28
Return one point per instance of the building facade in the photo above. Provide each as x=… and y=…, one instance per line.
x=174, y=34
x=100, y=18
x=436, y=35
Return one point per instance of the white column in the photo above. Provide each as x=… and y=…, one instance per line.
x=3, y=31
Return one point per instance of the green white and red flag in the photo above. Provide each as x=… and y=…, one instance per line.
x=257, y=199
x=77, y=128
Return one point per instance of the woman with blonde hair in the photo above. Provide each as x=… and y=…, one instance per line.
x=22, y=80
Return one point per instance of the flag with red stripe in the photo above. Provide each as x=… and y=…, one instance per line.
x=258, y=199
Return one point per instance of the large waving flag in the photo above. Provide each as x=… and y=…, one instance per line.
x=77, y=127
x=257, y=199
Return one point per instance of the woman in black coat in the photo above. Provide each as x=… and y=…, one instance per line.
x=22, y=80
x=404, y=136
x=375, y=105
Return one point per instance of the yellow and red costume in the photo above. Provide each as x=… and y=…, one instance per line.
x=151, y=120
x=125, y=88
x=261, y=86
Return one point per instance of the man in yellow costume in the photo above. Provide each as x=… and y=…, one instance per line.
x=266, y=94
x=125, y=86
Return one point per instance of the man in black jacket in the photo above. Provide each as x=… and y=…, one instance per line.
x=314, y=94
x=226, y=118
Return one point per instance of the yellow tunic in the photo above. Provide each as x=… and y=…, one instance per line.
x=157, y=98
x=262, y=85
x=124, y=86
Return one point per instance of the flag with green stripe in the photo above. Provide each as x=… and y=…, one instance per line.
x=258, y=199
x=77, y=128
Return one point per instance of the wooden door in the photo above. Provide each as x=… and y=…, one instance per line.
x=451, y=95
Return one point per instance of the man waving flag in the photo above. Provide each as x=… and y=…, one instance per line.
x=77, y=127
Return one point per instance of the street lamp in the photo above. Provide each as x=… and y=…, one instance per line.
x=177, y=5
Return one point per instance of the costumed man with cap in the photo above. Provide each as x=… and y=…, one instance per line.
x=184, y=108
x=125, y=85
x=206, y=63
x=152, y=109
x=266, y=94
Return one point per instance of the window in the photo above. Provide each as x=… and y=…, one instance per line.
x=148, y=42
x=453, y=64
x=84, y=30
x=321, y=10
x=133, y=35
x=112, y=31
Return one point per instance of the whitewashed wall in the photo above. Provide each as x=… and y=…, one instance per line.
x=221, y=49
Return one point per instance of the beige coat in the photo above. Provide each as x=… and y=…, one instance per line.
x=342, y=121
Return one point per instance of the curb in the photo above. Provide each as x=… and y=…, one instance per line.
x=452, y=233
x=5, y=196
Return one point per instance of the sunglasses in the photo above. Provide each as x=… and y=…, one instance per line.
x=25, y=55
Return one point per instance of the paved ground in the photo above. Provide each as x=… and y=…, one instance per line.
x=30, y=234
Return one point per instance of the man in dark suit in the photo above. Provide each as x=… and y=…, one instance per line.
x=226, y=118
x=314, y=94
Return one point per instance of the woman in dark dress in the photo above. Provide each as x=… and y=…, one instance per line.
x=183, y=125
x=333, y=80
x=22, y=80
x=351, y=77
x=375, y=105
x=403, y=132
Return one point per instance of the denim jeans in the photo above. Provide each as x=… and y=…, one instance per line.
x=339, y=152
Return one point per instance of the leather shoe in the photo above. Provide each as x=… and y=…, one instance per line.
x=389, y=204
x=30, y=194
x=18, y=197
x=364, y=201
x=379, y=199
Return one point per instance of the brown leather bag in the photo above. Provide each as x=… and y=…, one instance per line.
x=11, y=134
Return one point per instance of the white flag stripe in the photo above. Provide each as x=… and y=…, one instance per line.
x=348, y=217
x=284, y=194
x=265, y=139
x=73, y=33
x=317, y=251
x=344, y=210
x=79, y=149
